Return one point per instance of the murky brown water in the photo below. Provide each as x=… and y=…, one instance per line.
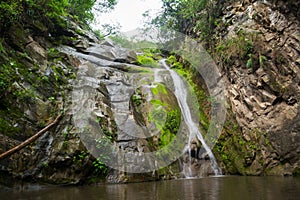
x=211, y=188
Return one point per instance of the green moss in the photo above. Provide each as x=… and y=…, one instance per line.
x=167, y=122
x=171, y=60
x=164, y=116
x=238, y=154
x=147, y=60
x=170, y=128
x=178, y=66
x=231, y=148
x=10, y=12
x=158, y=114
x=158, y=103
x=159, y=89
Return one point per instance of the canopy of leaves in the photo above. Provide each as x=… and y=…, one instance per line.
x=189, y=16
x=50, y=11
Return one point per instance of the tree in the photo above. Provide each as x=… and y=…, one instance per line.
x=50, y=11
x=111, y=29
x=83, y=9
x=189, y=16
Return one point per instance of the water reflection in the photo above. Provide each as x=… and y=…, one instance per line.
x=210, y=188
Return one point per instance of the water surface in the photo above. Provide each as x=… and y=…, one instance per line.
x=211, y=188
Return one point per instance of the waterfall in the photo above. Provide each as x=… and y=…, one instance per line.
x=181, y=95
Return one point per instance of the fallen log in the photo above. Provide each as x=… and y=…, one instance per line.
x=31, y=139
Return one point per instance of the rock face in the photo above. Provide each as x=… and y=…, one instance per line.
x=98, y=85
x=130, y=109
x=263, y=84
x=58, y=156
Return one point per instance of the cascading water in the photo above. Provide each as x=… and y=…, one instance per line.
x=118, y=80
x=182, y=95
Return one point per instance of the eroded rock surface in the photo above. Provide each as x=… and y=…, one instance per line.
x=263, y=86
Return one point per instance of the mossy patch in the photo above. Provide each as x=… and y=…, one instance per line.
x=149, y=58
x=157, y=109
x=159, y=89
x=146, y=61
x=170, y=128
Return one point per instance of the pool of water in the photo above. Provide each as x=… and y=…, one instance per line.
x=211, y=188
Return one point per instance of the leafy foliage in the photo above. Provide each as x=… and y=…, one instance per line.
x=109, y=30
x=100, y=166
x=50, y=12
x=10, y=12
x=193, y=17
x=83, y=8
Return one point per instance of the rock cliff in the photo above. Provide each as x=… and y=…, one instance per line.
x=258, y=50
x=82, y=75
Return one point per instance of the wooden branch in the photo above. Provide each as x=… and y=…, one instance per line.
x=30, y=140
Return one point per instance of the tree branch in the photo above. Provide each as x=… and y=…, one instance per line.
x=30, y=140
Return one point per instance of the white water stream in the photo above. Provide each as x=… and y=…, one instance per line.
x=181, y=94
